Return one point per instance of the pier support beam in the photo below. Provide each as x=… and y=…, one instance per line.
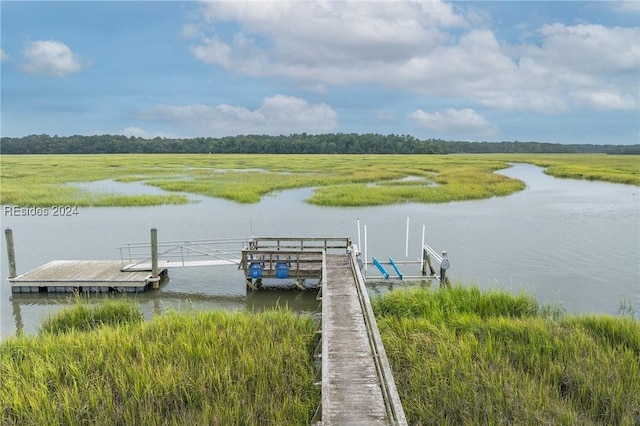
x=251, y=285
x=154, y=258
x=426, y=261
x=444, y=265
x=8, y=233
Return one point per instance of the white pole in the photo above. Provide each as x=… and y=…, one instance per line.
x=359, y=244
x=366, y=259
x=406, y=246
x=422, y=248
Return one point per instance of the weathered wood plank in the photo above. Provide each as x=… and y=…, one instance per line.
x=69, y=273
x=353, y=392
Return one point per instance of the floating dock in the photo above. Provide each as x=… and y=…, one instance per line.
x=84, y=275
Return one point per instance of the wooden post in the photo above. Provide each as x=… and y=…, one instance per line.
x=426, y=261
x=154, y=258
x=422, y=259
x=444, y=265
x=8, y=233
x=406, y=245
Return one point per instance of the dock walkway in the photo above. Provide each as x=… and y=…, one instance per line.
x=357, y=384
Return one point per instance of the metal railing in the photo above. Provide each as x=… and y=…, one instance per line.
x=300, y=243
x=393, y=405
x=443, y=261
x=185, y=253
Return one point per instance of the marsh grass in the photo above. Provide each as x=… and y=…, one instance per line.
x=340, y=180
x=460, y=356
x=463, y=356
x=84, y=316
x=179, y=368
x=609, y=168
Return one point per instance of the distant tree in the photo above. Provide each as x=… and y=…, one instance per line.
x=302, y=143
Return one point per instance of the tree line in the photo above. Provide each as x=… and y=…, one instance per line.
x=330, y=143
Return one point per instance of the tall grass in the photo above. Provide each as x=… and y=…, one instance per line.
x=459, y=355
x=609, y=168
x=83, y=316
x=179, y=368
x=462, y=356
x=341, y=180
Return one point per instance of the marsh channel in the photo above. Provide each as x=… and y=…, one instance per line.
x=570, y=243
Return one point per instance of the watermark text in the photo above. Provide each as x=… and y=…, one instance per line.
x=18, y=211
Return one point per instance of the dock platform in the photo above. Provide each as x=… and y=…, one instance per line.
x=83, y=275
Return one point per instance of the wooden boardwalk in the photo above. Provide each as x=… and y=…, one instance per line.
x=357, y=384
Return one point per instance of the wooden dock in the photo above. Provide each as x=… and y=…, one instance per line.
x=287, y=257
x=357, y=383
x=83, y=275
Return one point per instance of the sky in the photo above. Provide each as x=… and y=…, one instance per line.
x=559, y=72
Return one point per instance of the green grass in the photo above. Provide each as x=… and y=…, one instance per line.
x=460, y=356
x=83, y=316
x=340, y=180
x=179, y=368
x=464, y=357
x=609, y=168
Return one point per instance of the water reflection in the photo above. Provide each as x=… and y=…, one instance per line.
x=38, y=306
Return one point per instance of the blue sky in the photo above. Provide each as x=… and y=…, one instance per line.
x=559, y=72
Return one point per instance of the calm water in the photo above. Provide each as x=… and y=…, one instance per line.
x=570, y=243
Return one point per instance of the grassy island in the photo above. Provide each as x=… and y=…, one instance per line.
x=339, y=180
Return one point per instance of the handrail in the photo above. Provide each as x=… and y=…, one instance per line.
x=443, y=260
x=181, y=251
x=324, y=399
x=432, y=252
x=300, y=263
x=390, y=394
x=300, y=243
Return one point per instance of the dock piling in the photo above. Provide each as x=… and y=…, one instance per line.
x=426, y=262
x=444, y=265
x=154, y=258
x=8, y=233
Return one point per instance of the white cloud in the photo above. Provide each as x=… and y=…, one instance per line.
x=584, y=66
x=326, y=42
x=277, y=115
x=603, y=100
x=141, y=133
x=3, y=56
x=50, y=57
x=464, y=122
x=589, y=48
x=625, y=6
x=430, y=47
